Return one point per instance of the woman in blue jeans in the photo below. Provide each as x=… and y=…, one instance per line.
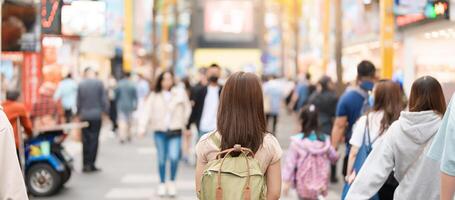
x=168, y=109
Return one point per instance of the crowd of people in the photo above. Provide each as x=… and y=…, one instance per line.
x=396, y=148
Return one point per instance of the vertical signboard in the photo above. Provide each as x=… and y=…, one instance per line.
x=31, y=77
x=51, y=16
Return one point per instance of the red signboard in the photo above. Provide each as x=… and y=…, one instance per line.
x=31, y=78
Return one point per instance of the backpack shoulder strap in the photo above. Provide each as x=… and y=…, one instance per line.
x=361, y=92
x=367, y=136
x=215, y=139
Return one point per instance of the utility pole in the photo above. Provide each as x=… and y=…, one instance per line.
x=154, y=55
x=128, y=36
x=296, y=24
x=387, y=37
x=175, y=50
x=339, y=44
x=1, y=80
x=164, y=35
x=326, y=36
x=283, y=45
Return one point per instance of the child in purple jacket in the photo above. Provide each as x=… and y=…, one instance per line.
x=307, y=166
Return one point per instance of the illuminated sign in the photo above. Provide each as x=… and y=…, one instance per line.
x=432, y=10
x=50, y=16
x=436, y=9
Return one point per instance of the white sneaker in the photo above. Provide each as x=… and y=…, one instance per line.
x=172, y=189
x=161, y=192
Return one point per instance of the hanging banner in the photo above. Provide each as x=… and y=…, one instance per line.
x=31, y=78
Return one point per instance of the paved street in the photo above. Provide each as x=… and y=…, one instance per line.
x=130, y=171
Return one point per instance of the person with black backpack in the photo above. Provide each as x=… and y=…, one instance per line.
x=386, y=104
x=404, y=147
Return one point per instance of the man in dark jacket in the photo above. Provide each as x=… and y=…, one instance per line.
x=205, y=101
x=91, y=103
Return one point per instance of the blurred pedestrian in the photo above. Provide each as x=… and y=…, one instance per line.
x=442, y=150
x=168, y=109
x=92, y=102
x=403, y=149
x=126, y=99
x=309, y=158
x=302, y=93
x=386, y=103
x=111, y=85
x=66, y=94
x=206, y=99
x=350, y=106
x=15, y=111
x=325, y=99
x=46, y=112
x=273, y=96
x=12, y=185
x=241, y=120
x=142, y=90
x=187, y=134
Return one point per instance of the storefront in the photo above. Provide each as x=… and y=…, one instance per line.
x=428, y=44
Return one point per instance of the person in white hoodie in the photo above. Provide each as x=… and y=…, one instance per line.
x=403, y=149
x=12, y=184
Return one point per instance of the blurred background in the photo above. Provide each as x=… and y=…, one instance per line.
x=404, y=38
x=45, y=40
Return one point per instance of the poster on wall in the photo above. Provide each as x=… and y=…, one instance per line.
x=31, y=76
x=11, y=63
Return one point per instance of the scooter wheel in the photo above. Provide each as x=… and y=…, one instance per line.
x=66, y=175
x=43, y=180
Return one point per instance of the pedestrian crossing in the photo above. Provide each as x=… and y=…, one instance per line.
x=142, y=186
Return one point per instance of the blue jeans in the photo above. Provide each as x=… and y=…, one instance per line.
x=168, y=148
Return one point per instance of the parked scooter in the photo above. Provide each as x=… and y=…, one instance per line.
x=46, y=163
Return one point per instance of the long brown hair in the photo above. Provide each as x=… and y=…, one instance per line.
x=388, y=98
x=241, y=118
x=427, y=94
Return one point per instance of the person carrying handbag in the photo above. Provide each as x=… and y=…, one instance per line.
x=168, y=109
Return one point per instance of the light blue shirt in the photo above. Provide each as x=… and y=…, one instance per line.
x=443, y=147
x=67, y=93
x=274, y=91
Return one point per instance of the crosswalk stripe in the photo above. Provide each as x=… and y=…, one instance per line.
x=130, y=193
x=140, y=178
x=146, y=151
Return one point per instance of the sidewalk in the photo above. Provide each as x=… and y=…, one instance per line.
x=130, y=171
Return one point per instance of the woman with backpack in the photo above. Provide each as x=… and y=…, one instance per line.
x=240, y=124
x=386, y=105
x=168, y=109
x=403, y=148
x=309, y=158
